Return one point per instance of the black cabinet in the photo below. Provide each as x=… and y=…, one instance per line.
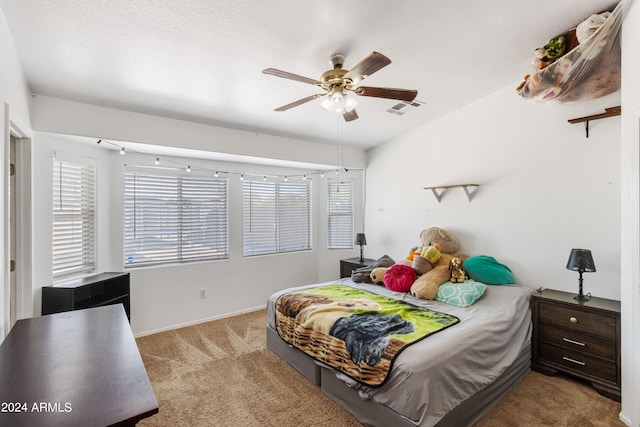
x=92, y=291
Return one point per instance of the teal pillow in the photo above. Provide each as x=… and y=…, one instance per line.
x=487, y=270
x=460, y=294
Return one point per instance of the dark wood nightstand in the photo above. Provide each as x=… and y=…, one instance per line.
x=581, y=338
x=349, y=264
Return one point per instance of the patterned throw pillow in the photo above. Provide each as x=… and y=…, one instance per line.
x=460, y=294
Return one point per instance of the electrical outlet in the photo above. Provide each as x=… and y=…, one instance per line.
x=203, y=293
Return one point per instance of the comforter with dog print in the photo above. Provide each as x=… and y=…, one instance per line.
x=357, y=332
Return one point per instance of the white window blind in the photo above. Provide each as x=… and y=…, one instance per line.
x=74, y=219
x=276, y=217
x=340, y=215
x=173, y=218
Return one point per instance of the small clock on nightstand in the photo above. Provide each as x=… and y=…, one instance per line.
x=580, y=338
x=349, y=264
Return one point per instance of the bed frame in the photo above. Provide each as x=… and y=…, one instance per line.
x=374, y=414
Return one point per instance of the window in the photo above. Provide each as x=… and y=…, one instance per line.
x=340, y=215
x=277, y=217
x=74, y=218
x=174, y=218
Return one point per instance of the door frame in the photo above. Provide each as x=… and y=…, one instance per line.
x=14, y=127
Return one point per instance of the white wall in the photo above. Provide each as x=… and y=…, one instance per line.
x=14, y=106
x=75, y=118
x=630, y=232
x=544, y=189
x=168, y=296
x=13, y=86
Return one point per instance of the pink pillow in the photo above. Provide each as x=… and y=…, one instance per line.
x=399, y=277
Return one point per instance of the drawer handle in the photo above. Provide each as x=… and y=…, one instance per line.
x=573, y=320
x=573, y=342
x=574, y=361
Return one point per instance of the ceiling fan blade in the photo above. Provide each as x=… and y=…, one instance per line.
x=299, y=102
x=290, y=76
x=386, y=92
x=350, y=116
x=367, y=66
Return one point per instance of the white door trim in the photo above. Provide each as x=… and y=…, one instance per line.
x=13, y=125
x=24, y=286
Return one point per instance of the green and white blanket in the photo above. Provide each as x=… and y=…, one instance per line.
x=354, y=331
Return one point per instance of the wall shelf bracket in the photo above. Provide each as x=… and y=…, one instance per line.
x=443, y=188
x=438, y=196
x=586, y=128
x=608, y=112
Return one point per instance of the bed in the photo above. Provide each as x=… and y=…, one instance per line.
x=451, y=378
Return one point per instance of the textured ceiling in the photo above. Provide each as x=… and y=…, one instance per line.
x=201, y=60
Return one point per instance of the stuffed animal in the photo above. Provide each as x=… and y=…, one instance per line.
x=524, y=82
x=432, y=253
x=554, y=49
x=426, y=286
x=589, y=26
x=457, y=272
x=412, y=254
x=377, y=275
x=429, y=237
x=421, y=265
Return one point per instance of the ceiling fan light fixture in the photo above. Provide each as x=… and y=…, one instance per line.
x=337, y=84
x=326, y=103
x=339, y=102
x=350, y=102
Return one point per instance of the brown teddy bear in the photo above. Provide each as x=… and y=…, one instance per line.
x=426, y=286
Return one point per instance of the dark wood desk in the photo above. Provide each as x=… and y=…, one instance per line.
x=77, y=368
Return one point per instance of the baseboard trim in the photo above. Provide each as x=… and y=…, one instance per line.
x=624, y=419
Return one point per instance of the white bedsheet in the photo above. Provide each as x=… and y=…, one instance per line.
x=433, y=376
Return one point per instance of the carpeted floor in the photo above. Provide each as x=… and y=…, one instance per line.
x=540, y=400
x=221, y=374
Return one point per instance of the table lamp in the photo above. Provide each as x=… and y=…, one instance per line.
x=580, y=260
x=360, y=240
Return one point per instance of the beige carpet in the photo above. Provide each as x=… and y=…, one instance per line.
x=221, y=374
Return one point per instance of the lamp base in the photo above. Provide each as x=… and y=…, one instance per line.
x=582, y=297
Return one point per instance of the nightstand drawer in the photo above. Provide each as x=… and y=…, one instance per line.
x=578, y=342
x=580, y=362
x=595, y=324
